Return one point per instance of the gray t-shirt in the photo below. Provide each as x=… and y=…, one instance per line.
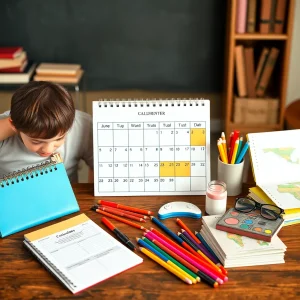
x=78, y=145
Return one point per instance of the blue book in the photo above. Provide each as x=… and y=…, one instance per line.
x=34, y=196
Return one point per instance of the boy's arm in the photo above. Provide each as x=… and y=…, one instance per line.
x=6, y=129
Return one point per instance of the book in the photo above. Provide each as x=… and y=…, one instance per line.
x=18, y=78
x=251, y=16
x=51, y=69
x=79, y=253
x=240, y=70
x=14, y=62
x=251, y=224
x=35, y=195
x=60, y=78
x=151, y=147
x=280, y=15
x=275, y=160
x=235, y=250
x=267, y=71
x=290, y=216
x=261, y=64
x=241, y=16
x=10, y=52
x=249, y=71
x=265, y=16
x=15, y=69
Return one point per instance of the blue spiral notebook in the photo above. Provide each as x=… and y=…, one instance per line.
x=34, y=196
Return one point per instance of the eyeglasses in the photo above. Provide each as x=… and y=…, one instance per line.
x=268, y=211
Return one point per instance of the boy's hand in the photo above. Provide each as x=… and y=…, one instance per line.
x=6, y=129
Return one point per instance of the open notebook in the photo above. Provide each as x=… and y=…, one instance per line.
x=79, y=252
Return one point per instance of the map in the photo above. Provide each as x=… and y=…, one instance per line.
x=291, y=188
x=238, y=239
x=290, y=154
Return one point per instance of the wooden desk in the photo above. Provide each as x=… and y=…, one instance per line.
x=23, y=277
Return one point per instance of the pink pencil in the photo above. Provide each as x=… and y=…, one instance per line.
x=151, y=236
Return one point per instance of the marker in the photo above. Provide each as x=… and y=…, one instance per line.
x=121, y=236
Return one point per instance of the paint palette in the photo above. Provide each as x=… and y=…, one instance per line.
x=250, y=224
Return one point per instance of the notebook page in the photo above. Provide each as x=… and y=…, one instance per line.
x=85, y=254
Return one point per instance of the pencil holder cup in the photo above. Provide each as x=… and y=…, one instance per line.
x=232, y=175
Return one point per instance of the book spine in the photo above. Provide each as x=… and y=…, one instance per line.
x=240, y=71
x=265, y=16
x=267, y=72
x=251, y=16
x=261, y=63
x=280, y=16
x=241, y=16
x=250, y=76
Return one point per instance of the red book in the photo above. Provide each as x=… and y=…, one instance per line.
x=10, y=52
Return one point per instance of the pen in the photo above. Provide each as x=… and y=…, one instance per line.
x=121, y=236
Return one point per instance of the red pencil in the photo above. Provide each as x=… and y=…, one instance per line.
x=121, y=214
x=121, y=206
x=128, y=212
x=94, y=208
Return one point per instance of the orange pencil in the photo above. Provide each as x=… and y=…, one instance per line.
x=121, y=214
x=94, y=208
x=127, y=212
x=121, y=206
x=183, y=226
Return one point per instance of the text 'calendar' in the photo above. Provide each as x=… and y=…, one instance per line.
x=151, y=147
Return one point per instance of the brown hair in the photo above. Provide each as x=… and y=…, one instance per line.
x=42, y=109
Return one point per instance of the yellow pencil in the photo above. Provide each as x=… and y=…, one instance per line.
x=165, y=265
x=222, y=153
x=235, y=149
x=224, y=143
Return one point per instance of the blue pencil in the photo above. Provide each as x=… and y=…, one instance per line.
x=242, y=153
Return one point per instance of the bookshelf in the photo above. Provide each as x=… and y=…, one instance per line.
x=278, y=81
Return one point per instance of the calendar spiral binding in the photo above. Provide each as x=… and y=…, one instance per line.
x=31, y=172
x=53, y=266
x=150, y=102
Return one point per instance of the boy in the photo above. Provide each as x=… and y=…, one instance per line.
x=42, y=120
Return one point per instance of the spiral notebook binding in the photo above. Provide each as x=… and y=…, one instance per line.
x=53, y=266
x=150, y=102
x=31, y=172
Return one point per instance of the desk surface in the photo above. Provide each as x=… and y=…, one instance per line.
x=23, y=277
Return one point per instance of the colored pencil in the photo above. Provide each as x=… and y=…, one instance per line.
x=235, y=149
x=192, y=255
x=240, y=146
x=94, y=208
x=242, y=153
x=234, y=138
x=120, y=235
x=224, y=144
x=221, y=152
x=166, y=259
x=171, y=234
x=121, y=214
x=150, y=235
x=125, y=207
x=175, y=261
x=165, y=265
x=185, y=227
x=201, y=274
x=128, y=212
x=212, y=265
x=199, y=247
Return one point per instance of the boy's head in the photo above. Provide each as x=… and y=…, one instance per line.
x=42, y=113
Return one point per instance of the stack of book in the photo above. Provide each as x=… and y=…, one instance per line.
x=264, y=16
x=275, y=159
x=14, y=65
x=60, y=73
x=234, y=250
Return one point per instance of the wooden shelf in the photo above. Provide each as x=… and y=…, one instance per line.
x=258, y=41
x=259, y=36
